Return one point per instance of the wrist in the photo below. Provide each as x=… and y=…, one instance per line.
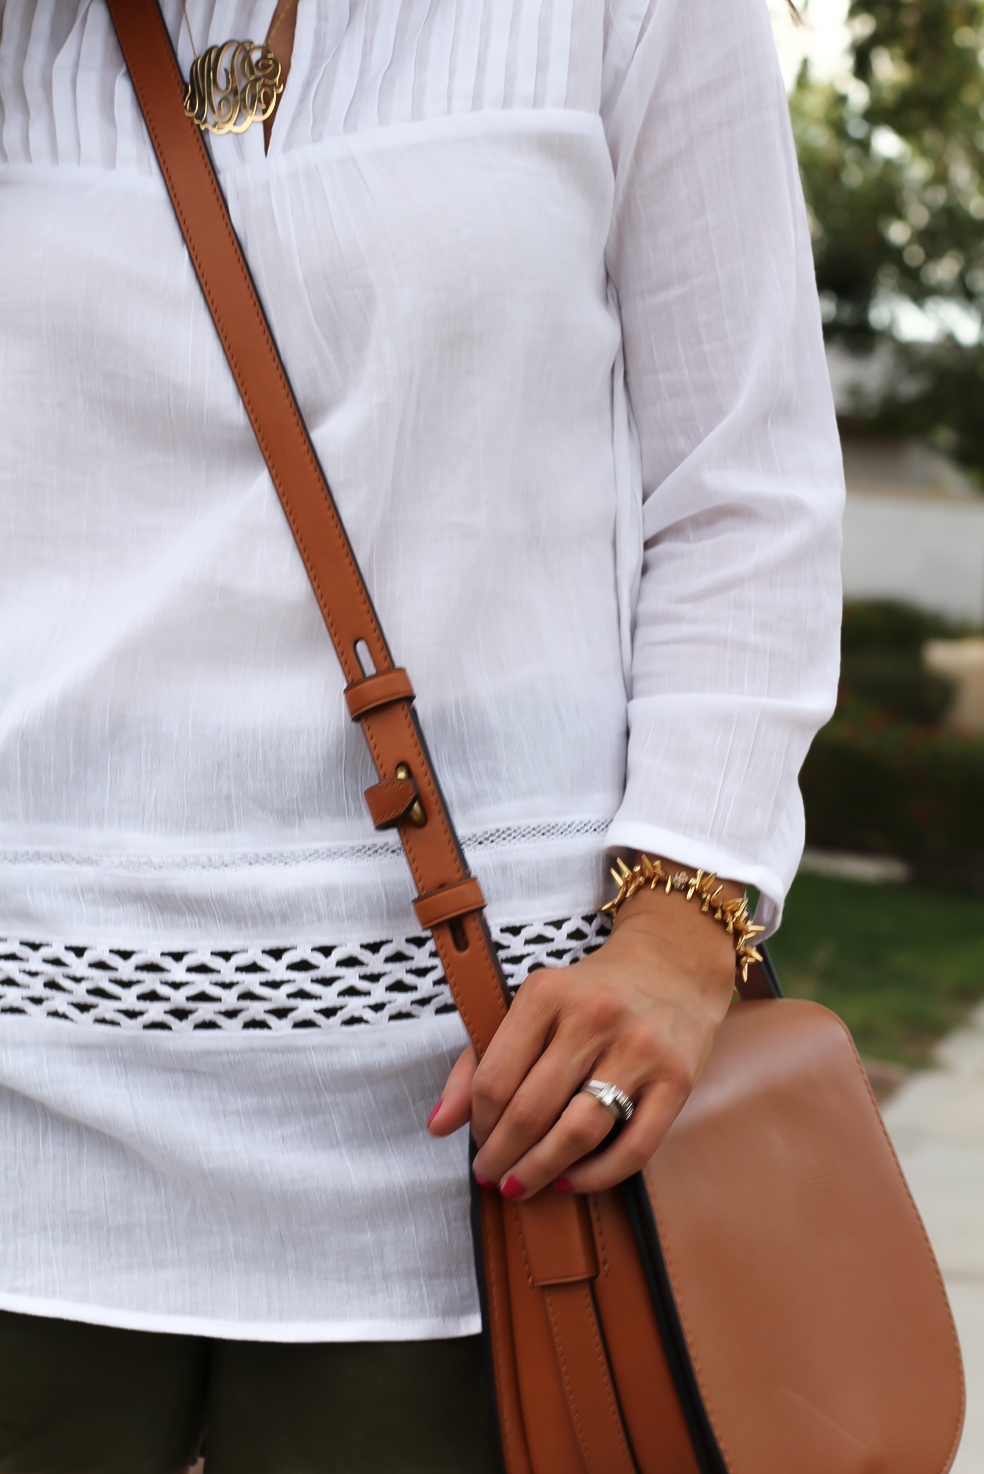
x=666, y=924
x=680, y=907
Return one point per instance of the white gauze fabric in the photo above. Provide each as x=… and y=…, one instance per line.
x=541, y=277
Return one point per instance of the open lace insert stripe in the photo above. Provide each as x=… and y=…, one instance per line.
x=276, y=988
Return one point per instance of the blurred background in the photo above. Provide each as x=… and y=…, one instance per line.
x=885, y=922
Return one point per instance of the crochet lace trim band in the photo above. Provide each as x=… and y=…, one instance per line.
x=276, y=988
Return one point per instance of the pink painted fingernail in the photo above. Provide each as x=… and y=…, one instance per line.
x=482, y=1180
x=563, y=1186
x=435, y=1110
x=512, y=1188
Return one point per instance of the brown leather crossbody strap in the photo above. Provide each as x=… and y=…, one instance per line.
x=449, y=899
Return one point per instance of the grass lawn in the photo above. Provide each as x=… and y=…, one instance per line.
x=901, y=965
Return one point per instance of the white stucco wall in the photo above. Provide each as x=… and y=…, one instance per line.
x=928, y=551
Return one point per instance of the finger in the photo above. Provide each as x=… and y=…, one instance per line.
x=635, y=1144
x=537, y=1105
x=582, y=1126
x=518, y=1044
x=454, y=1107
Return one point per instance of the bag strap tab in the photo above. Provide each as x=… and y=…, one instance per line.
x=449, y=902
x=378, y=690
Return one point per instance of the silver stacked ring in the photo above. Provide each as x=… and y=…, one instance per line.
x=609, y=1095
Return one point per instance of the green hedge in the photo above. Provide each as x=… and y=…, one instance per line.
x=881, y=660
x=897, y=788
x=883, y=776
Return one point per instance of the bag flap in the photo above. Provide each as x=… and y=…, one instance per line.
x=811, y=1305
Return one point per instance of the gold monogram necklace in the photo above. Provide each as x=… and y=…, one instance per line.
x=232, y=85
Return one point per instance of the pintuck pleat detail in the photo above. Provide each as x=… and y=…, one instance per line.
x=64, y=98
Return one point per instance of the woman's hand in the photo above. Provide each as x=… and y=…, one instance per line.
x=642, y=1012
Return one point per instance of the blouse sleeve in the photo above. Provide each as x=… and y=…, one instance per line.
x=735, y=645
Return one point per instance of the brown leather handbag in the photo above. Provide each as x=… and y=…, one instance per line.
x=763, y=1298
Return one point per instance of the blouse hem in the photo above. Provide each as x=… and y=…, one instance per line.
x=439, y=1328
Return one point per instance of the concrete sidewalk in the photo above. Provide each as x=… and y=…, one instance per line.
x=936, y=1121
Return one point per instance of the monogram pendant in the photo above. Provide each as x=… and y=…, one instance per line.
x=232, y=86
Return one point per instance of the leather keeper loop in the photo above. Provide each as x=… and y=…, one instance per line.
x=378, y=690
x=450, y=901
x=558, y=1241
x=390, y=800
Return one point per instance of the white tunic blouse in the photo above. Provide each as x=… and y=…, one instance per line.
x=541, y=276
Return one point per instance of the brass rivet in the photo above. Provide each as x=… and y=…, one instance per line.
x=415, y=813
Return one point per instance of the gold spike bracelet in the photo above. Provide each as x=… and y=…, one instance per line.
x=734, y=915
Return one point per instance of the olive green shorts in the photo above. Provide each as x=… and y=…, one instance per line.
x=81, y=1399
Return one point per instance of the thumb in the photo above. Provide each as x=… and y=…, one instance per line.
x=454, y=1107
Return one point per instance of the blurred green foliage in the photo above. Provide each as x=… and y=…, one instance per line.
x=881, y=661
x=888, y=787
x=892, y=161
x=899, y=964
x=896, y=685
x=890, y=626
x=883, y=776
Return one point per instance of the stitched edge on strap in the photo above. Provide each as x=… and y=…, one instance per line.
x=137, y=27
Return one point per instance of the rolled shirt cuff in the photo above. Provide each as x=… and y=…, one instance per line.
x=711, y=781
